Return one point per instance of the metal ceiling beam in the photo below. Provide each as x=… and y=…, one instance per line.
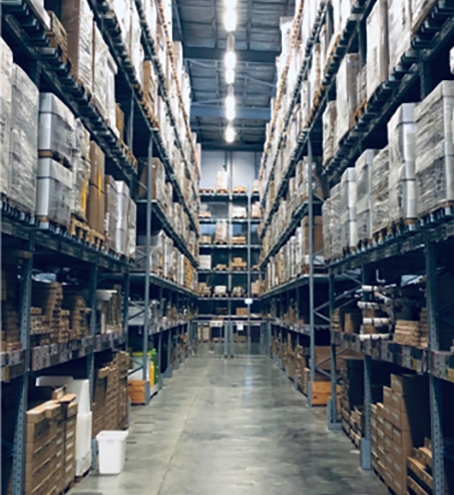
x=222, y=145
x=248, y=113
x=251, y=56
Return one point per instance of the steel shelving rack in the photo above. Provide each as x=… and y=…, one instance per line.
x=422, y=250
x=46, y=247
x=252, y=250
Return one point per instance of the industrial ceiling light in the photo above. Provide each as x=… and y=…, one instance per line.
x=230, y=60
x=230, y=105
x=230, y=20
x=229, y=134
x=229, y=76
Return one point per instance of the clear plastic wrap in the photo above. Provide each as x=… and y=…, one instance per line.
x=77, y=19
x=100, y=52
x=380, y=191
x=346, y=94
x=81, y=170
x=205, y=261
x=222, y=180
x=111, y=104
x=349, y=234
x=435, y=149
x=23, y=140
x=399, y=30
x=335, y=224
x=53, y=198
x=56, y=131
x=151, y=15
x=402, y=182
x=121, y=231
x=329, y=131
x=327, y=241
x=122, y=10
x=110, y=220
x=135, y=46
x=419, y=11
x=363, y=168
x=132, y=229
x=361, y=87
x=314, y=76
x=6, y=73
x=377, y=47
x=221, y=234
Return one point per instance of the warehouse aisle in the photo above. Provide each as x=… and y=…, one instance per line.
x=233, y=427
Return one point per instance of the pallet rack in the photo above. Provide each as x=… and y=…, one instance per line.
x=41, y=247
x=208, y=304
x=422, y=250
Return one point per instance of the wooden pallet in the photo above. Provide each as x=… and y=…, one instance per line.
x=222, y=191
x=56, y=156
x=206, y=191
x=221, y=268
x=96, y=239
x=437, y=214
x=79, y=229
x=379, y=236
x=400, y=226
x=240, y=240
x=361, y=110
x=239, y=190
x=220, y=296
x=205, y=214
x=219, y=242
x=239, y=268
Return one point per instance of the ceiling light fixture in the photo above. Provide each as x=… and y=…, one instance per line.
x=229, y=76
x=230, y=60
x=229, y=134
x=230, y=20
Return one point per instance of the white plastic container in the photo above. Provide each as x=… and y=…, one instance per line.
x=111, y=451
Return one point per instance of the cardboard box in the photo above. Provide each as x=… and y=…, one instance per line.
x=137, y=390
x=388, y=428
x=409, y=384
x=97, y=166
x=387, y=397
x=406, y=439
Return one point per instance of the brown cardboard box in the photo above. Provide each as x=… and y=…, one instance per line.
x=149, y=82
x=407, y=439
x=409, y=384
x=96, y=209
x=97, y=166
x=388, y=444
x=387, y=397
x=388, y=428
x=386, y=412
x=410, y=413
x=137, y=390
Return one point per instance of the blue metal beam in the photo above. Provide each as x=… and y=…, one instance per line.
x=247, y=113
x=250, y=56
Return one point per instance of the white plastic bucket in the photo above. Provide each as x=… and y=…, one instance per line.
x=111, y=451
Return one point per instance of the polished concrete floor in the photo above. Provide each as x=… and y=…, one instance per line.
x=233, y=427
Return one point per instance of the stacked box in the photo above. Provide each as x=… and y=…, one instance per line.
x=327, y=239
x=399, y=30
x=6, y=73
x=380, y=191
x=402, y=186
x=349, y=234
x=77, y=19
x=80, y=161
x=135, y=47
x=53, y=195
x=56, y=132
x=361, y=87
x=377, y=47
x=346, y=94
x=335, y=225
x=121, y=230
x=75, y=303
x=132, y=229
x=23, y=141
x=363, y=168
x=99, y=70
x=111, y=208
x=221, y=235
x=96, y=200
x=222, y=180
x=10, y=330
x=435, y=149
x=49, y=297
x=329, y=131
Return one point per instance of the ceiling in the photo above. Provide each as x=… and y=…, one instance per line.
x=198, y=25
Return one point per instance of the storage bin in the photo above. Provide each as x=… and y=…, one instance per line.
x=111, y=451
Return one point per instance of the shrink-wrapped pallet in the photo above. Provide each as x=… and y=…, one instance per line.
x=314, y=76
x=419, y=11
x=349, y=235
x=136, y=52
x=380, y=191
x=402, y=182
x=23, y=141
x=346, y=94
x=99, y=70
x=435, y=149
x=377, y=47
x=56, y=132
x=327, y=240
x=121, y=230
x=53, y=196
x=81, y=170
x=132, y=229
x=335, y=225
x=336, y=25
x=363, y=169
x=221, y=234
x=222, y=180
x=345, y=13
x=6, y=73
x=361, y=87
x=77, y=19
x=329, y=131
x=122, y=10
x=399, y=30
x=205, y=261
x=151, y=15
x=110, y=221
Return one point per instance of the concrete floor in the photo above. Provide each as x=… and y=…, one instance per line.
x=233, y=427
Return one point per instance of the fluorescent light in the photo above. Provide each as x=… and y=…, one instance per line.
x=230, y=60
x=230, y=20
x=229, y=76
x=229, y=134
x=230, y=107
x=230, y=4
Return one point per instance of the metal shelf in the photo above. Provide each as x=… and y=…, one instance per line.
x=229, y=272
x=158, y=213
x=158, y=281
x=231, y=220
x=230, y=246
x=301, y=281
x=222, y=299
x=223, y=196
x=298, y=328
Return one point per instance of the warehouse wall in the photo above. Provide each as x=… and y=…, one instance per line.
x=243, y=165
